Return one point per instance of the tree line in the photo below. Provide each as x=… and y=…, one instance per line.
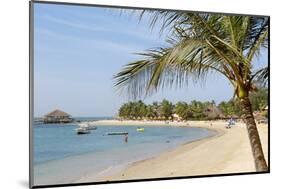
x=195, y=110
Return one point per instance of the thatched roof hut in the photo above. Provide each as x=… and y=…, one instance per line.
x=57, y=116
x=213, y=112
x=57, y=113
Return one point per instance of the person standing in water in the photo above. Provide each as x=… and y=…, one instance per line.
x=126, y=138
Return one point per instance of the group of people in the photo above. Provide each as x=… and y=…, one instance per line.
x=230, y=123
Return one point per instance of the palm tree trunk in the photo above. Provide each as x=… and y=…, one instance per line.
x=253, y=134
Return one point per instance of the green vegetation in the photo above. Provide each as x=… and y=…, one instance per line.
x=166, y=109
x=230, y=108
x=195, y=110
x=139, y=110
x=200, y=44
x=259, y=99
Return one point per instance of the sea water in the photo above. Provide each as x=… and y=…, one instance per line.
x=61, y=156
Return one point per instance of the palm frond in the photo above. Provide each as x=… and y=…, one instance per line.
x=261, y=76
x=168, y=67
x=198, y=44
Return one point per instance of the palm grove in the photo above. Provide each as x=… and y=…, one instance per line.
x=195, y=110
x=197, y=45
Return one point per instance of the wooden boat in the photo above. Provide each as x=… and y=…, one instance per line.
x=117, y=133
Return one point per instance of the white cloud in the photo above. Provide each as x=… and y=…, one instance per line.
x=102, y=44
x=72, y=24
x=140, y=32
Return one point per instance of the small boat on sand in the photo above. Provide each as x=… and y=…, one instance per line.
x=82, y=130
x=140, y=129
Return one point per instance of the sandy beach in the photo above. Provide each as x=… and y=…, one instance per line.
x=228, y=151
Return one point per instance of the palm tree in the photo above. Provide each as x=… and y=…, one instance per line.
x=200, y=44
x=183, y=110
x=149, y=112
x=166, y=109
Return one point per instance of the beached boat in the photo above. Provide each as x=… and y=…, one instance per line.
x=82, y=130
x=140, y=129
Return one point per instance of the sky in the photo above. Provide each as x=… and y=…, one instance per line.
x=78, y=50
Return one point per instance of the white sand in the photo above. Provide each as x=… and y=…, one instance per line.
x=227, y=152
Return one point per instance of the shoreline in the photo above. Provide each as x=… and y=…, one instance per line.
x=228, y=151
x=223, y=151
x=196, y=123
x=87, y=166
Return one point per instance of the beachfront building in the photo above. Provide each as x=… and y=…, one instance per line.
x=176, y=117
x=58, y=116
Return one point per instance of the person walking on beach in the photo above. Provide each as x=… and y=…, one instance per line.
x=126, y=138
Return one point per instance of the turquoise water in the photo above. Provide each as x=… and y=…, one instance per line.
x=61, y=156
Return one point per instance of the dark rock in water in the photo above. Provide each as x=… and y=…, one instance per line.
x=167, y=141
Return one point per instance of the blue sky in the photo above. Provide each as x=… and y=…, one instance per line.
x=77, y=50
